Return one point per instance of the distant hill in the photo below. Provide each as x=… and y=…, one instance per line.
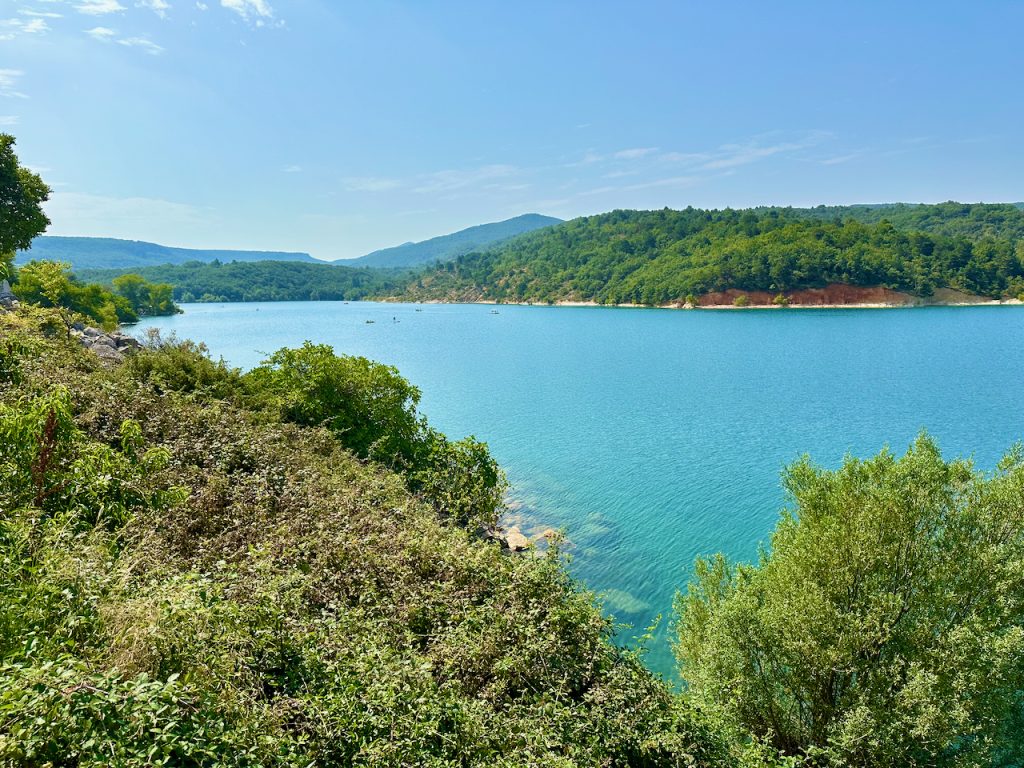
x=110, y=253
x=448, y=247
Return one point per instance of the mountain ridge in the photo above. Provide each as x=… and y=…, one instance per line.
x=111, y=252
x=455, y=244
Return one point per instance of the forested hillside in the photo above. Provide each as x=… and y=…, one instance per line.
x=970, y=220
x=657, y=257
x=263, y=281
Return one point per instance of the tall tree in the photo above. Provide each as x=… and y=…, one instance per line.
x=22, y=194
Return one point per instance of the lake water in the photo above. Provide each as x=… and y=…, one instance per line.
x=655, y=436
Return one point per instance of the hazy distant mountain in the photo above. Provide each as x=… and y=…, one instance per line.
x=108, y=252
x=447, y=247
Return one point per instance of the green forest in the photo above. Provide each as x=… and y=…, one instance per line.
x=666, y=256
x=263, y=280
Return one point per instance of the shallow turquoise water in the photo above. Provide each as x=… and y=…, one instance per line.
x=655, y=436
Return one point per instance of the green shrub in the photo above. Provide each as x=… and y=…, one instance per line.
x=886, y=624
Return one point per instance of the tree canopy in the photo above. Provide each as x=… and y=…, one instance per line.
x=22, y=194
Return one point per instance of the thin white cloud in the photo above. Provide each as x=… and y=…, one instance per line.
x=11, y=28
x=143, y=44
x=447, y=181
x=159, y=7
x=292, y=169
x=101, y=33
x=8, y=83
x=734, y=155
x=634, y=154
x=672, y=181
x=249, y=9
x=99, y=7
x=40, y=14
x=370, y=184
x=841, y=158
x=8, y=119
x=202, y=6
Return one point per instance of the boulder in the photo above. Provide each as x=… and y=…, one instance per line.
x=515, y=540
x=7, y=298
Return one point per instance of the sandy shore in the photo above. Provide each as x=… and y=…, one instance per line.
x=831, y=297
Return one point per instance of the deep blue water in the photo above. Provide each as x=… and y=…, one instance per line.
x=654, y=436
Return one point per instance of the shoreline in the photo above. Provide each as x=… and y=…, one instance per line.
x=833, y=296
x=717, y=307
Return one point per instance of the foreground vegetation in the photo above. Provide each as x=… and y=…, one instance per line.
x=190, y=577
x=658, y=257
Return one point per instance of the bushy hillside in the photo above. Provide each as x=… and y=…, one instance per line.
x=188, y=577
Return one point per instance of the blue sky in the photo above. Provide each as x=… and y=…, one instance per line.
x=341, y=127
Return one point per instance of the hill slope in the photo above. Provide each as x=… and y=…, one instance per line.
x=447, y=247
x=108, y=252
x=659, y=257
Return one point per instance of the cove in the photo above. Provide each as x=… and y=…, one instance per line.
x=656, y=436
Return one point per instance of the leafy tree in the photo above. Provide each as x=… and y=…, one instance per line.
x=22, y=194
x=51, y=284
x=369, y=406
x=145, y=298
x=885, y=627
x=372, y=410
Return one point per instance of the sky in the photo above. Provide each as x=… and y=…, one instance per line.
x=337, y=127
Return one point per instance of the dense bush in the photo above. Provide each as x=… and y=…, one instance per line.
x=885, y=627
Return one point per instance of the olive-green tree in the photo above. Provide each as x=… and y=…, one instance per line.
x=372, y=410
x=51, y=284
x=22, y=194
x=145, y=298
x=885, y=625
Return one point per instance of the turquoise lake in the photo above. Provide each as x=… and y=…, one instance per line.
x=655, y=436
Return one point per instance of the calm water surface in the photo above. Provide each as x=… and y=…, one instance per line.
x=655, y=436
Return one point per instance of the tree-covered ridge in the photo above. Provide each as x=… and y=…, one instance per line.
x=263, y=281
x=656, y=257
x=114, y=253
x=973, y=221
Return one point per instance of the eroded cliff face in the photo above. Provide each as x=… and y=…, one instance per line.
x=839, y=294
